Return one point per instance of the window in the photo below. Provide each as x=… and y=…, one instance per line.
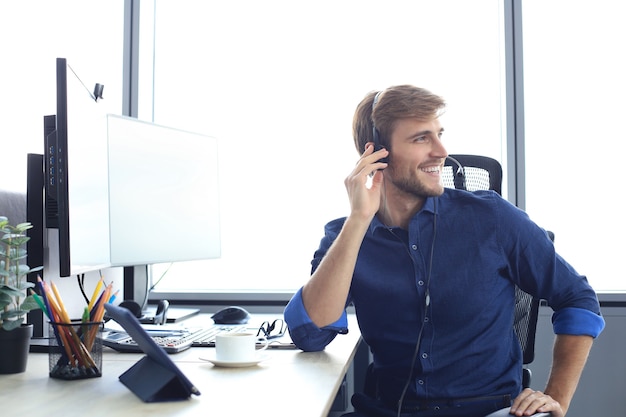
x=277, y=83
x=574, y=89
x=34, y=34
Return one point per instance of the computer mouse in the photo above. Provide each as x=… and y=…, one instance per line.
x=231, y=315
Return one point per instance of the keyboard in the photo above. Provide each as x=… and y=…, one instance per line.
x=206, y=337
x=172, y=341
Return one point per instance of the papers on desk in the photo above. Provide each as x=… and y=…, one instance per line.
x=283, y=342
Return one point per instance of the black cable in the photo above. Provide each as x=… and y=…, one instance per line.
x=149, y=287
x=146, y=295
x=80, y=278
x=426, y=305
x=81, y=285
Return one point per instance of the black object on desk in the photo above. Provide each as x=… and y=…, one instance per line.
x=155, y=377
x=163, y=313
x=40, y=345
x=231, y=315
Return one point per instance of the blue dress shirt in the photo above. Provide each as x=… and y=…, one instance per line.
x=464, y=252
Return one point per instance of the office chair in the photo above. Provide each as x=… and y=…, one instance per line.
x=471, y=173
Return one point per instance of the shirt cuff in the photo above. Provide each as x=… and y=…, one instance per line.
x=578, y=322
x=304, y=333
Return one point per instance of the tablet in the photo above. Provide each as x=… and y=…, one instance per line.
x=155, y=377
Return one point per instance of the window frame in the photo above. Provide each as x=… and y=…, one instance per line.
x=513, y=163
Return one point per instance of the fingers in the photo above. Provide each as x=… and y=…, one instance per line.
x=369, y=159
x=367, y=165
x=364, y=198
x=529, y=402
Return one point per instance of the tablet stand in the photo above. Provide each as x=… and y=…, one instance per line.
x=155, y=377
x=152, y=382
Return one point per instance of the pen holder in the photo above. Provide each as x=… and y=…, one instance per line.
x=75, y=350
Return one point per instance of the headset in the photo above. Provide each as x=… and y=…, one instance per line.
x=375, y=134
x=160, y=316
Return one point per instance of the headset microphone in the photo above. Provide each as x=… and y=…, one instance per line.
x=459, y=175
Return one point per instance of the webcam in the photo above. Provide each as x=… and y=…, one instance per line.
x=97, y=91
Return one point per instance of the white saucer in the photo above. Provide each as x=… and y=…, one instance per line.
x=236, y=364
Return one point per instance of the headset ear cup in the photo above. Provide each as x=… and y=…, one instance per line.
x=133, y=307
x=160, y=317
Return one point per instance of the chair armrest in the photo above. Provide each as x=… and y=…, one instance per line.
x=505, y=413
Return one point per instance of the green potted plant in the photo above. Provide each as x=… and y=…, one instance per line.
x=14, y=300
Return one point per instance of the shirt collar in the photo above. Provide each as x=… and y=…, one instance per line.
x=429, y=207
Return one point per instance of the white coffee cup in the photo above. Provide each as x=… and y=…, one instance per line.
x=238, y=347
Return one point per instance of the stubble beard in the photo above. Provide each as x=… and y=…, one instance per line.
x=411, y=185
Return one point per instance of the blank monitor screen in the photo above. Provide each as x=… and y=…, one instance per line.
x=163, y=194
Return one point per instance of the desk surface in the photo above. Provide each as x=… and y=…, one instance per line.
x=288, y=382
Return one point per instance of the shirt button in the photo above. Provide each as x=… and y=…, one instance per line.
x=426, y=319
x=421, y=382
x=424, y=355
x=414, y=247
x=420, y=282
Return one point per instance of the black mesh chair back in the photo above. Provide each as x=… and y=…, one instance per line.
x=475, y=172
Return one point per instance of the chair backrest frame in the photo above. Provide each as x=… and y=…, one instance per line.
x=474, y=172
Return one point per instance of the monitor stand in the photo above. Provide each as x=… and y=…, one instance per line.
x=174, y=314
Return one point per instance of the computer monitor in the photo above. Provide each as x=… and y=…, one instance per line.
x=76, y=185
x=113, y=191
x=123, y=192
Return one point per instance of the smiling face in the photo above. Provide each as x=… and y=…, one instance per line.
x=416, y=159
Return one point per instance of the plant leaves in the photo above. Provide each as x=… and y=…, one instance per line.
x=5, y=300
x=13, y=272
x=11, y=291
x=11, y=324
x=29, y=304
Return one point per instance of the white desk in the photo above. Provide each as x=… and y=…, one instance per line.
x=289, y=383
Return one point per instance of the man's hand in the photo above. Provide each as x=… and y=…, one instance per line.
x=569, y=356
x=364, y=201
x=324, y=296
x=530, y=402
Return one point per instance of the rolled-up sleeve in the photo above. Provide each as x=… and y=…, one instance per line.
x=539, y=270
x=304, y=333
x=577, y=321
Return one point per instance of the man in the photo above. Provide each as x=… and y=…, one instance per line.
x=432, y=273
